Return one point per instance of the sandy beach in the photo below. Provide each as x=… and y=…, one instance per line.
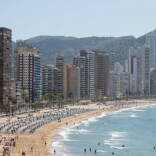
x=39, y=143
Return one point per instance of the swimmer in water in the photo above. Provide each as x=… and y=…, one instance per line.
x=98, y=144
x=90, y=149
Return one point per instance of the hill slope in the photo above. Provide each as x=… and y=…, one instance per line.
x=49, y=46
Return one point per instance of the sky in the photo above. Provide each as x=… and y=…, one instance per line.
x=79, y=18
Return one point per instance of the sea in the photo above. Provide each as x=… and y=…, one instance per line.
x=128, y=132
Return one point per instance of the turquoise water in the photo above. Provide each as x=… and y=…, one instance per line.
x=135, y=128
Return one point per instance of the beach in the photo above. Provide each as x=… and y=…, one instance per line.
x=39, y=143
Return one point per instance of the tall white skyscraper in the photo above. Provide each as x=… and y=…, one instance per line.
x=87, y=73
x=118, y=68
x=132, y=69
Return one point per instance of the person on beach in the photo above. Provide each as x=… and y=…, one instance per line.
x=90, y=149
x=45, y=143
x=54, y=151
x=95, y=151
x=23, y=153
x=14, y=144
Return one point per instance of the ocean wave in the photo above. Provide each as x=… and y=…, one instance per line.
x=102, y=115
x=88, y=121
x=85, y=122
x=56, y=144
x=101, y=151
x=118, y=147
x=79, y=131
x=133, y=116
x=139, y=110
x=116, y=139
x=114, y=142
x=64, y=134
x=93, y=119
x=116, y=134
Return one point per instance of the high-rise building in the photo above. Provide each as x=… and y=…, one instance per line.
x=118, y=68
x=101, y=73
x=153, y=81
x=124, y=83
x=145, y=70
x=18, y=93
x=47, y=77
x=114, y=84
x=133, y=66
x=59, y=63
x=72, y=82
x=87, y=71
x=112, y=59
x=83, y=81
x=28, y=69
x=76, y=61
x=5, y=65
x=124, y=78
x=151, y=42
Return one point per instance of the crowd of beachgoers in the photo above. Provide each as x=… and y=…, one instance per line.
x=29, y=123
x=28, y=133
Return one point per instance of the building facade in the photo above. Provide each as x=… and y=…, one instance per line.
x=153, y=81
x=5, y=64
x=28, y=70
x=114, y=84
x=59, y=64
x=102, y=66
x=47, y=79
x=145, y=70
x=72, y=82
x=133, y=66
x=151, y=42
x=87, y=72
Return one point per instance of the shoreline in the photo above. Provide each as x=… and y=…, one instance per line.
x=47, y=133
x=100, y=112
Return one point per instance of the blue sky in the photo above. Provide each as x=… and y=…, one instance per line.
x=80, y=18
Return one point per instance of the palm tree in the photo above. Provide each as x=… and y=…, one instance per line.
x=24, y=95
x=13, y=101
x=49, y=97
x=60, y=100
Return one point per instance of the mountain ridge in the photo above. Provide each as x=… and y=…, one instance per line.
x=70, y=46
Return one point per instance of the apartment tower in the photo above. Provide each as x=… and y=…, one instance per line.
x=59, y=63
x=145, y=70
x=5, y=65
x=102, y=65
x=28, y=70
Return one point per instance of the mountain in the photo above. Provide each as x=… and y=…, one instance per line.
x=49, y=46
